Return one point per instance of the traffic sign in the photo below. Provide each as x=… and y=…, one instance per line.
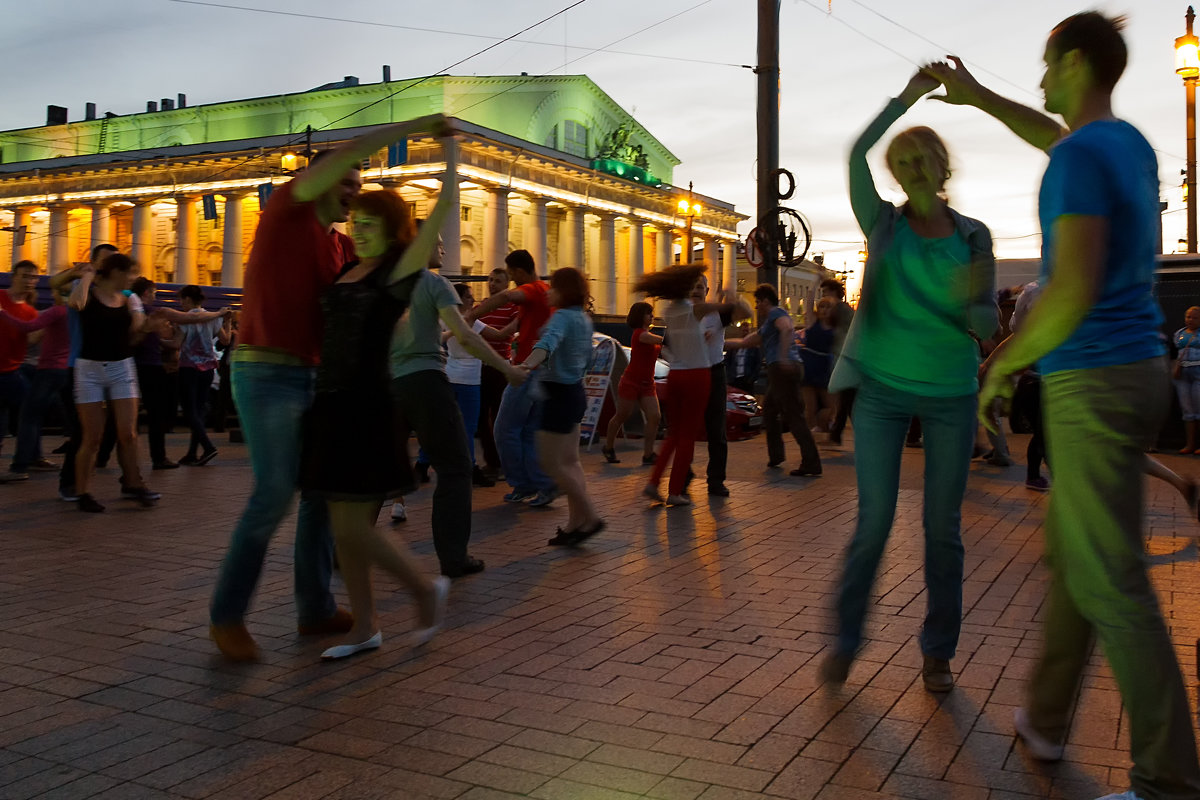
x=754, y=254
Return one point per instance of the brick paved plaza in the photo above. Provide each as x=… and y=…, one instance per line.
x=676, y=657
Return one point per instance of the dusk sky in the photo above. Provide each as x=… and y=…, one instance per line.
x=673, y=64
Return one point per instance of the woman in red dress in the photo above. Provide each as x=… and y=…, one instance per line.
x=637, y=385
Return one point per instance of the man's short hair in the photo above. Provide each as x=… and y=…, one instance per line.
x=835, y=286
x=499, y=271
x=192, y=292
x=765, y=291
x=24, y=264
x=521, y=259
x=1098, y=38
x=102, y=248
x=141, y=285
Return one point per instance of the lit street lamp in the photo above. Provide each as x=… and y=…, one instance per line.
x=690, y=209
x=1187, y=66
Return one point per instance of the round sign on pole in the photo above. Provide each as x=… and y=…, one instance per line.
x=754, y=253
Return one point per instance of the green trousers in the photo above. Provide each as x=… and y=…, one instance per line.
x=1098, y=423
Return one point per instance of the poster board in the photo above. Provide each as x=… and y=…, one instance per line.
x=597, y=382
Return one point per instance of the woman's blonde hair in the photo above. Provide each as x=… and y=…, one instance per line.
x=930, y=145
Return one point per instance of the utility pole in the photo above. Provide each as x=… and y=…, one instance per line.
x=768, y=134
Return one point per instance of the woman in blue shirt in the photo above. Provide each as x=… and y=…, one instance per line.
x=927, y=285
x=565, y=347
x=1187, y=375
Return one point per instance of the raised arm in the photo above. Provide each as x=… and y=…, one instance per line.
x=41, y=321
x=864, y=197
x=79, y=295
x=962, y=89
x=416, y=255
x=647, y=337
x=496, y=301
x=188, y=317
x=326, y=173
x=476, y=346
x=61, y=279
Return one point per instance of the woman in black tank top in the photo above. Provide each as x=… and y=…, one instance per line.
x=105, y=372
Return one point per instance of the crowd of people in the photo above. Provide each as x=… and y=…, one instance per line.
x=348, y=345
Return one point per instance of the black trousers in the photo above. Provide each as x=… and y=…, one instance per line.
x=714, y=427
x=1027, y=400
x=425, y=404
x=156, y=401
x=491, y=389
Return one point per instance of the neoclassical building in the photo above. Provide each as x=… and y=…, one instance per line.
x=548, y=163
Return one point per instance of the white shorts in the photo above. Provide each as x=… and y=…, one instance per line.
x=96, y=381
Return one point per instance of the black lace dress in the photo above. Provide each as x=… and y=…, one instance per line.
x=351, y=446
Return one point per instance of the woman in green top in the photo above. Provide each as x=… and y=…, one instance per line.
x=928, y=283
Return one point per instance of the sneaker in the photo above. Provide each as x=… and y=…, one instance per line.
x=1038, y=484
x=1039, y=746
x=468, y=566
x=543, y=499
x=206, y=457
x=139, y=493
x=520, y=495
x=478, y=478
x=399, y=512
x=678, y=500
x=188, y=461
x=167, y=464
x=610, y=455
x=652, y=492
x=718, y=490
x=650, y=460
x=936, y=675
x=85, y=502
x=1130, y=795
x=68, y=494
x=234, y=642
x=13, y=477
x=43, y=465
x=1000, y=460
x=340, y=621
x=806, y=471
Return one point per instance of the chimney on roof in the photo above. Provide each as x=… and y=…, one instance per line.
x=350, y=80
x=56, y=115
x=167, y=104
x=89, y=111
x=151, y=105
x=181, y=100
x=387, y=73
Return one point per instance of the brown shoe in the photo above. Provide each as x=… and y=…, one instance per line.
x=936, y=674
x=234, y=642
x=341, y=622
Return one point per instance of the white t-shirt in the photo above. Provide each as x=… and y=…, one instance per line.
x=685, y=340
x=714, y=338
x=462, y=367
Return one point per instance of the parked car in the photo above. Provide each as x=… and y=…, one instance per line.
x=743, y=415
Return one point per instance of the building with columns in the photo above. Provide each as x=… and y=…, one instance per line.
x=547, y=163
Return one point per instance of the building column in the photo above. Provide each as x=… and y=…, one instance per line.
x=729, y=266
x=186, y=240
x=637, y=262
x=573, y=241
x=711, y=260
x=535, y=232
x=605, y=279
x=232, y=258
x=665, y=247
x=495, y=229
x=101, y=225
x=58, y=241
x=452, y=224
x=143, y=237
x=21, y=250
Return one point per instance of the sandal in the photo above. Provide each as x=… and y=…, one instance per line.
x=610, y=455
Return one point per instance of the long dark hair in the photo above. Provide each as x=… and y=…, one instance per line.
x=672, y=283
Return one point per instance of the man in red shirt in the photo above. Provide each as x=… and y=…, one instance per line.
x=13, y=384
x=492, y=382
x=296, y=255
x=520, y=413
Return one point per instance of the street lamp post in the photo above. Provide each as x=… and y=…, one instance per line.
x=689, y=209
x=1187, y=66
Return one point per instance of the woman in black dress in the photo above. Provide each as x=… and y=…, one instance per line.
x=352, y=457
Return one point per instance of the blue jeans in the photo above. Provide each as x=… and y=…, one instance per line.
x=45, y=392
x=13, y=388
x=515, y=431
x=881, y=419
x=271, y=401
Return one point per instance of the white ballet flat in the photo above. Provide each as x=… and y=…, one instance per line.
x=441, y=591
x=347, y=650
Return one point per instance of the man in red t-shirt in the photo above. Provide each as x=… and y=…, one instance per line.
x=492, y=383
x=13, y=384
x=519, y=414
x=296, y=255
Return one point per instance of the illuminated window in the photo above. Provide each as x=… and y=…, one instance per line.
x=575, y=139
x=466, y=213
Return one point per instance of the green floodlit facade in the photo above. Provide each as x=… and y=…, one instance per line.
x=549, y=163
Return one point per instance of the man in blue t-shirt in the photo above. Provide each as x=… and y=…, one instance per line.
x=1094, y=335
